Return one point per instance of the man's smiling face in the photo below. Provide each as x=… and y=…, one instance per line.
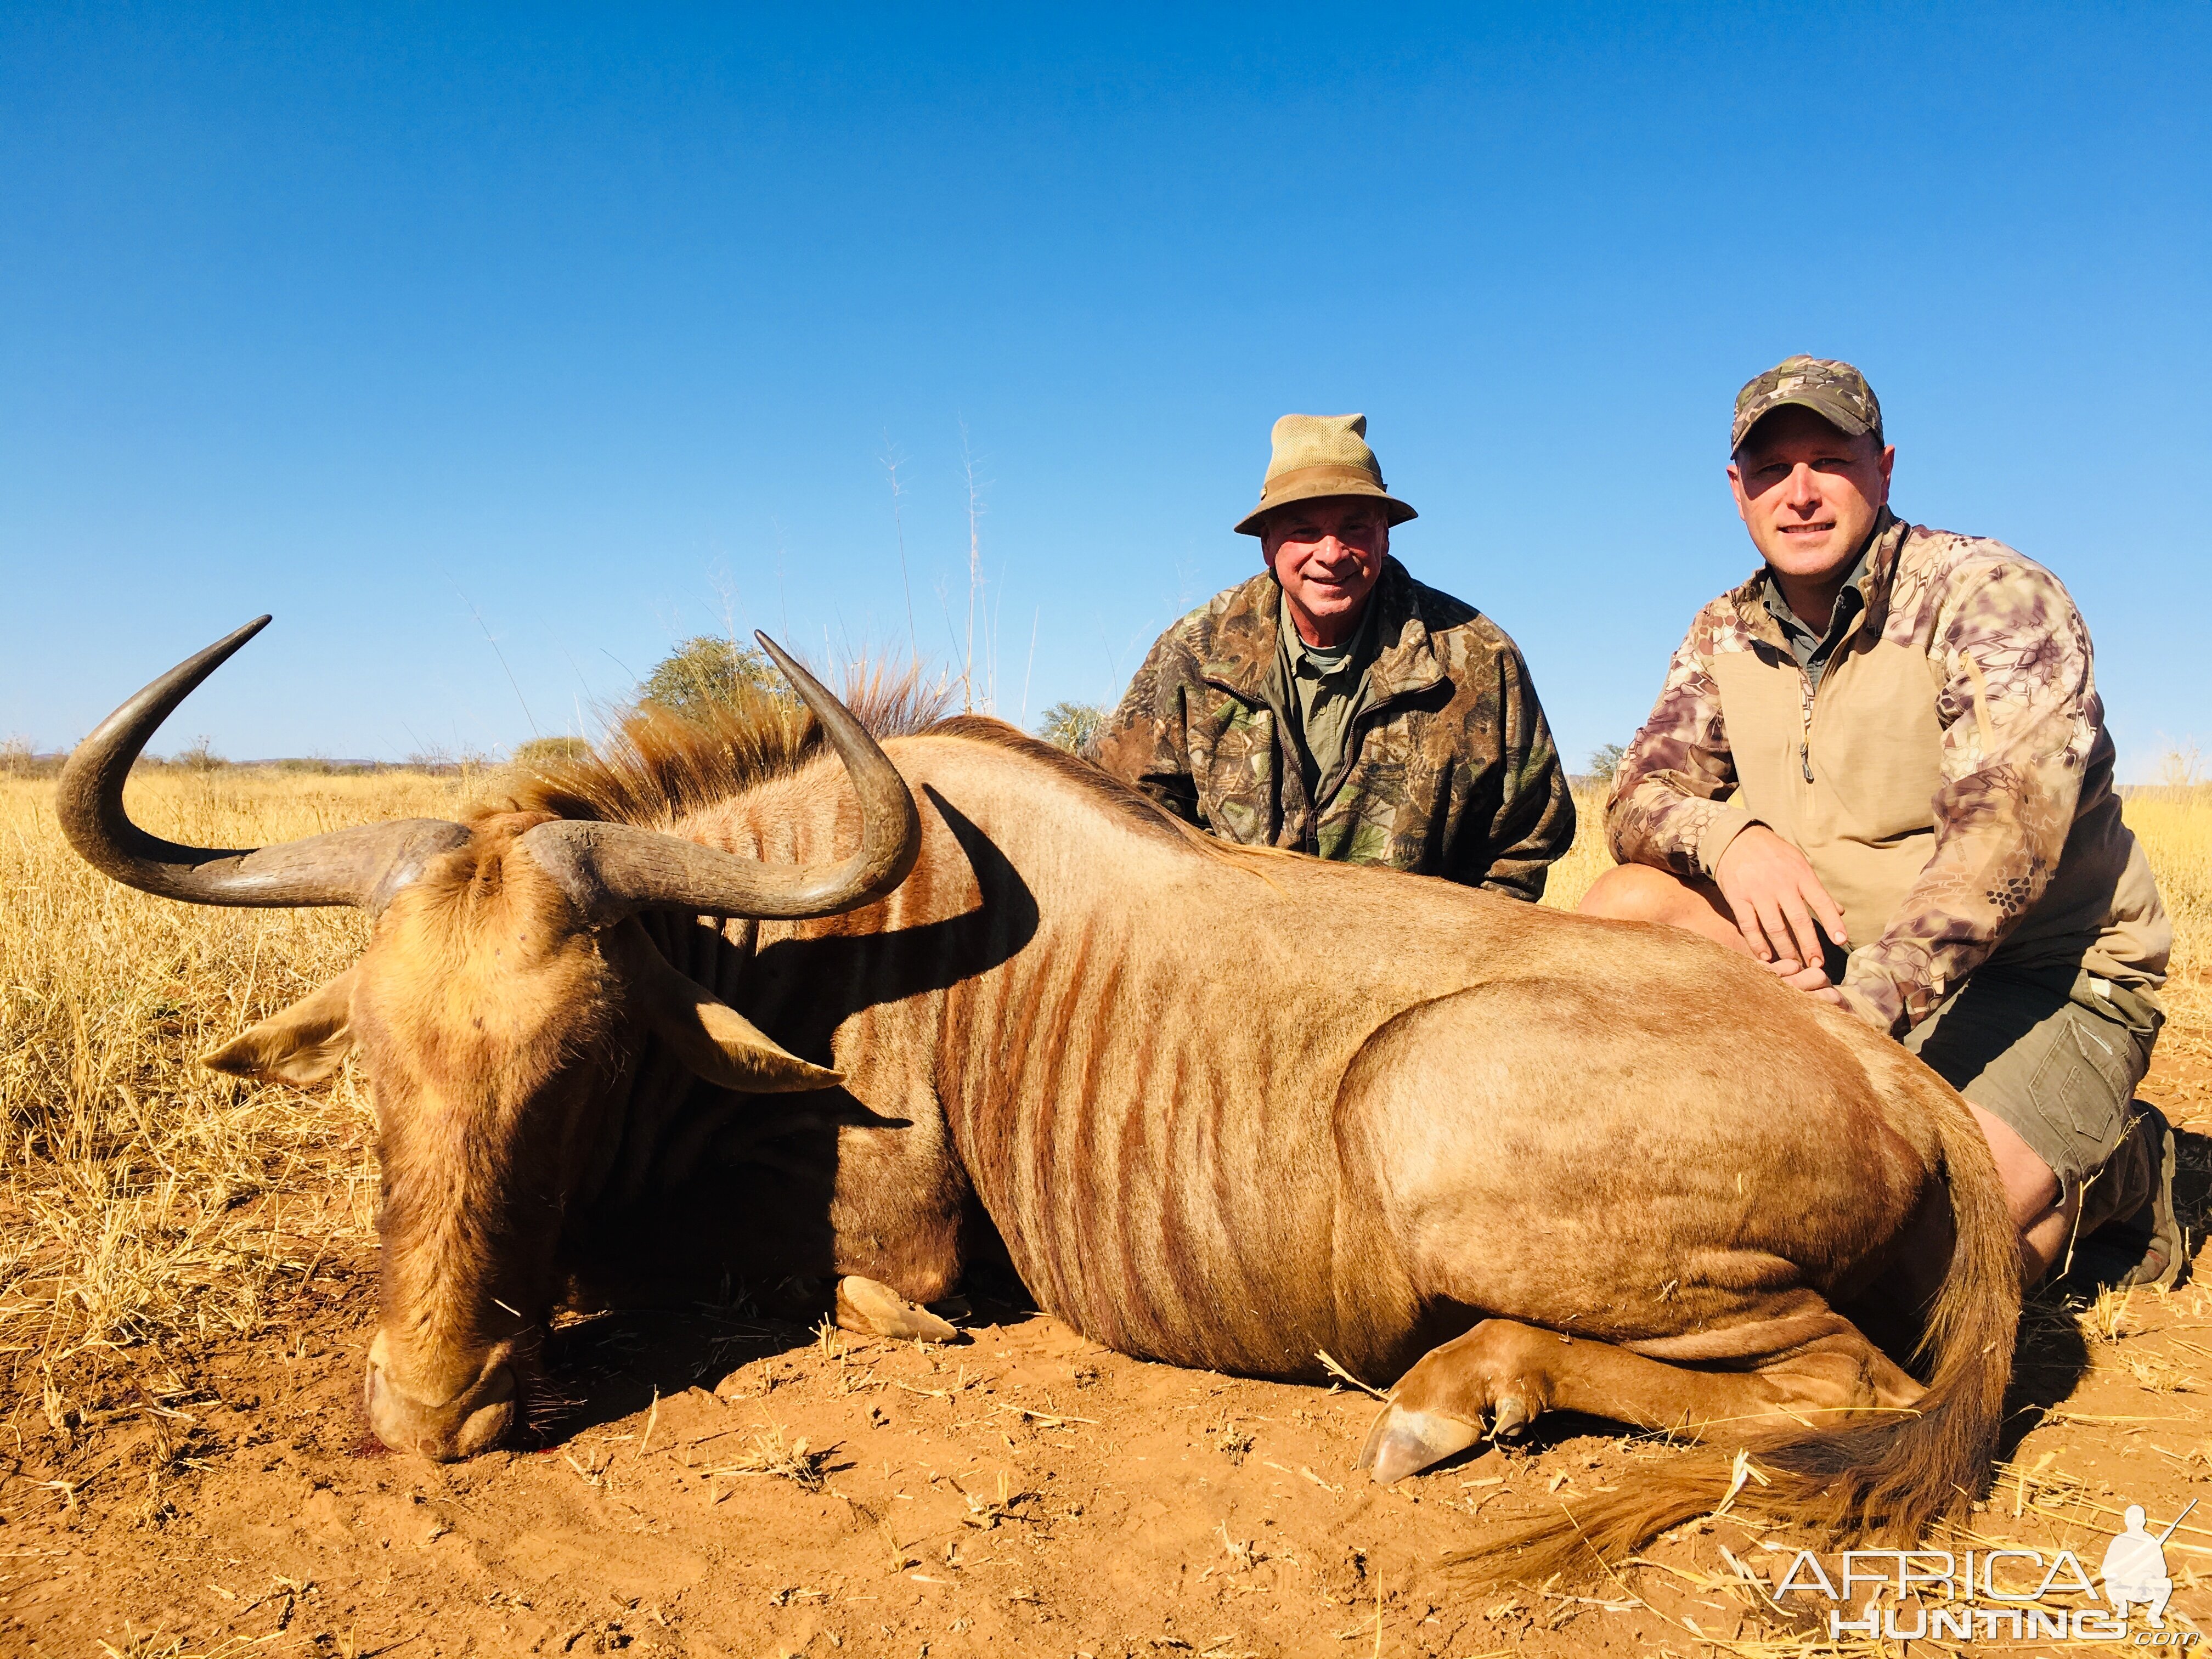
x=1808, y=493
x=1327, y=555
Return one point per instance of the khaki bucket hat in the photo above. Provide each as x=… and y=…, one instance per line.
x=1318, y=455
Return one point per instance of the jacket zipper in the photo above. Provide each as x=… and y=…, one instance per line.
x=1808, y=705
x=1311, y=843
x=1363, y=721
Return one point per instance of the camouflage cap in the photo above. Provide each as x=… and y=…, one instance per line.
x=1835, y=392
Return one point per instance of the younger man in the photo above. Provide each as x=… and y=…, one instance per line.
x=1880, y=766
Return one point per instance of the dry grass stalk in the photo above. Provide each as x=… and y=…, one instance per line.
x=1344, y=1375
x=1235, y=1444
x=772, y=1456
x=986, y=1513
x=1242, y=1556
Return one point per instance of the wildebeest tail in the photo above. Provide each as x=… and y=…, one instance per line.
x=1887, y=1478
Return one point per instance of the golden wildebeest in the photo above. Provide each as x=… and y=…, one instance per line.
x=1220, y=1107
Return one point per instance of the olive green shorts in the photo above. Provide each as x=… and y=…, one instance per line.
x=2056, y=1053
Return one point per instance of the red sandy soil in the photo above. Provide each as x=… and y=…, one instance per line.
x=1024, y=1491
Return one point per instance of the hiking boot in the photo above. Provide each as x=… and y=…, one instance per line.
x=2147, y=1246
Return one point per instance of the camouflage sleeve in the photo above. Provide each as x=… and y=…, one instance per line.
x=1145, y=743
x=1670, y=804
x=1534, y=824
x=2019, y=712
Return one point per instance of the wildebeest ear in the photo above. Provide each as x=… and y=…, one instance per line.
x=302, y=1044
x=708, y=1036
x=727, y=1049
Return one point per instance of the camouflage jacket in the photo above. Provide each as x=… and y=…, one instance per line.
x=1948, y=776
x=1448, y=771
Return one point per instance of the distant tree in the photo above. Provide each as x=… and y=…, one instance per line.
x=541, y=752
x=1605, y=762
x=1071, y=726
x=704, y=672
x=2181, y=767
x=199, y=755
x=441, y=762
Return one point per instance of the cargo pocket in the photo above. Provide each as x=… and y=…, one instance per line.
x=2084, y=1083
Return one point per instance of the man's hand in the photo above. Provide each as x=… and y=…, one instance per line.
x=1775, y=899
x=1815, y=979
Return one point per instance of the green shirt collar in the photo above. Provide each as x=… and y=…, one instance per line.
x=1355, y=653
x=1241, y=650
x=1812, y=650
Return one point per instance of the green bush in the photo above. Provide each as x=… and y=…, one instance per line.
x=541, y=752
x=1071, y=726
x=704, y=672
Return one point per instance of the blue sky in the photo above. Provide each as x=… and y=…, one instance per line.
x=495, y=350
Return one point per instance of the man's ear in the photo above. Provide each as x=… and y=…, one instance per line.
x=708, y=1036
x=305, y=1043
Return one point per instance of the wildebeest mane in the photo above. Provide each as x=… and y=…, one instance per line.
x=658, y=764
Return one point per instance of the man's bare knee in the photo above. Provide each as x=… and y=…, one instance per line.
x=1638, y=892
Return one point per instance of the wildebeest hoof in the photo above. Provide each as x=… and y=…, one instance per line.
x=874, y=1309
x=1508, y=1419
x=1404, y=1443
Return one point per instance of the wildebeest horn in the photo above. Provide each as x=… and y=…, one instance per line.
x=612, y=870
x=364, y=866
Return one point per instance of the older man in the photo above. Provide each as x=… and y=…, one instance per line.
x=1335, y=705
x=1880, y=766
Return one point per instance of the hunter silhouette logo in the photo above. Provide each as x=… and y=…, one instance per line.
x=1996, y=1594
x=2135, y=1568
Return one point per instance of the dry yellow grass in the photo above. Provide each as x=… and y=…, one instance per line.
x=2175, y=827
x=1587, y=860
x=148, y=1202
